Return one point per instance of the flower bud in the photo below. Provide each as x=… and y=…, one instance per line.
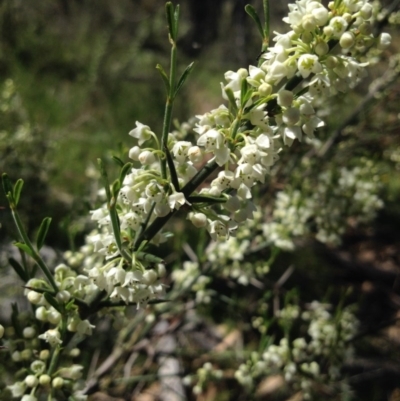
x=146, y=157
x=328, y=31
x=384, y=40
x=75, y=352
x=285, y=98
x=63, y=296
x=366, y=11
x=161, y=271
x=308, y=23
x=41, y=314
x=198, y=219
x=321, y=48
x=1, y=331
x=331, y=62
x=16, y=356
x=34, y=297
x=321, y=15
x=54, y=317
x=134, y=153
x=195, y=155
x=29, y=332
x=149, y=277
x=44, y=354
x=44, y=380
x=26, y=354
x=265, y=89
x=57, y=382
x=347, y=17
x=31, y=381
x=347, y=40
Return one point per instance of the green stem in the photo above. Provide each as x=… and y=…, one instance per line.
x=187, y=190
x=34, y=253
x=111, y=205
x=54, y=360
x=265, y=43
x=168, y=107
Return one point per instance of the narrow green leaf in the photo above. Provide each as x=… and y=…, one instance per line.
x=7, y=187
x=254, y=16
x=53, y=302
x=205, y=199
x=104, y=176
x=118, y=161
x=14, y=320
x=18, y=268
x=169, y=12
x=183, y=77
x=25, y=248
x=42, y=233
x=116, y=186
x=172, y=170
x=245, y=93
x=148, y=257
x=17, y=190
x=39, y=290
x=176, y=22
x=232, y=100
x=266, y=25
x=124, y=171
x=164, y=77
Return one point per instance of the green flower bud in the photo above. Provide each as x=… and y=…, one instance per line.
x=44, y=380
x=57, y=382
x=44, y=354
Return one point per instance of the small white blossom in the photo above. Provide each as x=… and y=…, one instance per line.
x=51, y=336
x=141, y=132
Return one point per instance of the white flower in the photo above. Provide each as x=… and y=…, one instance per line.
x=285, y=98
x=180, y=150
x=307, y=64
x=339, y=25
x=51, y=336
x=85, y=328
x=220, y=230
x=214, y=141
x=73, y=372
x=384, y=40
x=176, y=200
x=17, y=389
x=234, y=80
x=141, y=132
x=290, y=134
x=250, y=154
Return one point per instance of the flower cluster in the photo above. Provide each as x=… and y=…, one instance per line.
x=245, y=139
x=314, y=357
x=325, y=206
